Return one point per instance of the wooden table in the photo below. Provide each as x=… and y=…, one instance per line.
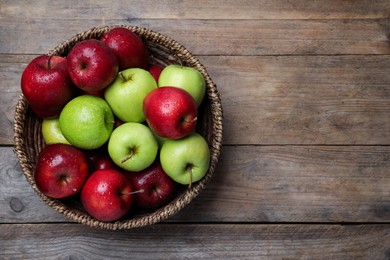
x=305, y=167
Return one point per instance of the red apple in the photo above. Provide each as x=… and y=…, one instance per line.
x=61, y=170
x=170, y=112
x=107, y=195
x=99, y=159
x=92, y=65
x=117, y=122
x=46, y=85
x=155, y=187
x=155, y=70
x=129, y=48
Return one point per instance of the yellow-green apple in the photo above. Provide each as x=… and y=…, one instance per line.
x=51, y=131
x=132, y=146
x=129, y=48
x=87, y=122
x=107, y=195
x=61, y=170
x=155, y=70
x=92, y=65
x=127, y=92
x=46, y=85
x=186, y=160
x=170, y=112
x=184, y=77
x=155, y=187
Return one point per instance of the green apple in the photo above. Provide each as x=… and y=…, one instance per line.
x=51, y=131
x=160, y=140
x=186, y=78
x=126, y=93
x=87, y=122
x=132, y=146
x=185, y=160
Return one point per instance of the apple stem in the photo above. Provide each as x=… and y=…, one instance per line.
x=110, y=121
x=158, y=194
x=70, y=185
x=48, y=63
x=133, y=192
x=123, y=77
x=128, y=157
x=193, y=120
x=180, y=63
x=189, y=168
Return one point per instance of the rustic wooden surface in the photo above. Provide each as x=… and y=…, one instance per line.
x=305, y=167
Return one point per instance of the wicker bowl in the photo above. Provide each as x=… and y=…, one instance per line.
x=163, y=51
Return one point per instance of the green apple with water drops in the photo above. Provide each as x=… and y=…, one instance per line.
x=87, y=122
x=132, y=146
x=51, y=131
x=186, y=160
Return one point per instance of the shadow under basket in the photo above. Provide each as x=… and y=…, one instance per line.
x=163, y=51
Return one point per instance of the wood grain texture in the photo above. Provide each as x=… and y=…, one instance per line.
x=255, y=184
x=67, y=241
x=306, y=98
x=276, y=99
x=216, y=37
x=203, y=9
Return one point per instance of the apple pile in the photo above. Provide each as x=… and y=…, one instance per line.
x=120, y=132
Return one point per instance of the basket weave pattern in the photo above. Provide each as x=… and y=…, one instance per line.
x=163, y=51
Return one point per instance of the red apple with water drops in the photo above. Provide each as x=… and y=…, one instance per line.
x=99, y=159
x=92, y=65
x=46, y=85
x=61, y=170
x=170, y=112
x=107, y=195
x=129, y=48
x=155, y=70
x=155, y=187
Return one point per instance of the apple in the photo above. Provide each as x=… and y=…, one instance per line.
x=126, y=94
x=129, y=48
x=155, y=187
x=99, y=159
x=61, y=170
x=132, y=146
x=186, y=78
x=87, y=122
x=186, y=160
x=51, y=131
x=46, y=85
x=170, y=112
x=117, y=122
x=92, y=65
x=107, y=195
x=155, y=70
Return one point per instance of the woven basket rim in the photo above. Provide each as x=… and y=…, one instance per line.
x=179, y=53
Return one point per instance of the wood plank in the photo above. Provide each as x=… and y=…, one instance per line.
x=255, y=184
x=67, y=241
x=215, y=37
x=304, y=100
x=276, y=100
x=229, y=9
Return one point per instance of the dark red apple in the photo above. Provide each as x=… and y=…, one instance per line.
x=99, y=159
x=170, y=112
x=117, y=122
x=61, y=170
x=155, y=188
x=47, y=86
x=107, y=195
x=155, y=70
x=92, y=65
x=129, y=48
